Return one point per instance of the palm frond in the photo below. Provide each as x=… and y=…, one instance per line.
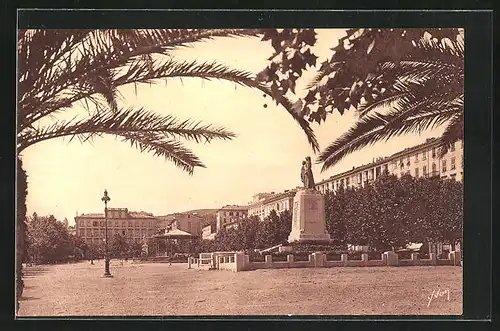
x=61, y=67
x=74, y=56
x=377, y=126
x=140, y=72
x=453, y=132
x=127, y=120
x=366, y=107
x=171, y=150
x=147, y=131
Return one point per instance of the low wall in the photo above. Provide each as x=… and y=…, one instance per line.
x=240, y=262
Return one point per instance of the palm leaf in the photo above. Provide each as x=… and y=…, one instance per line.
x=454, y=131
x=378, y=126
x=426, y=92
x=148, y=131
x=102, y=57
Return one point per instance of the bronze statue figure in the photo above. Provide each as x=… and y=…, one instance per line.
x=303, y=173
x=308, y=175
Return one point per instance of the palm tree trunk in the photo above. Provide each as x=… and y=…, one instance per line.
x=22, y=184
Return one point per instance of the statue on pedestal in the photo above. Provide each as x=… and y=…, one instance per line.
x=308, y=216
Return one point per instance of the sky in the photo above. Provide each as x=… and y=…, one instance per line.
x=66, y=178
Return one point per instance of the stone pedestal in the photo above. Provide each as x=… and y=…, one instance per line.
x=308, y=220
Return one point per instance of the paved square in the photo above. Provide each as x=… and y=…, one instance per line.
x=159, y=289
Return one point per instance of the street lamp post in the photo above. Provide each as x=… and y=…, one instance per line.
x=106, y=199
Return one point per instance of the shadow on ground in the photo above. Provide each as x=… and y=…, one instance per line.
x=27, y=298
x=35, y=271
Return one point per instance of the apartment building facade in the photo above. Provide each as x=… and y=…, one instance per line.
x=419, y=161
x=263, y=203
x=133, y=225
x=229, y=216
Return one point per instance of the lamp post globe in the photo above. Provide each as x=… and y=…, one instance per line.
x=106, y=199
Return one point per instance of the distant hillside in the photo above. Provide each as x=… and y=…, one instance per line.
x=200, y=212
x=203, y=212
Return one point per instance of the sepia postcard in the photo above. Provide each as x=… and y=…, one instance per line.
x=240, y=172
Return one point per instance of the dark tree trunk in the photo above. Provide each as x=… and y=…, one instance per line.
x=22, y=191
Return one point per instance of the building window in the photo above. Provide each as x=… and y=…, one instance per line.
x=360, y=178
x=370, y=174
x=94, y=223
x=433, y=167
x=424, y=155
x=452, y=148
x=386, y=167
x=424, y=170
x=408, y=161
x=416, y=157
x=433, y=152
x=444, y=165
x=416, y=172
x=452, y=166
x=377, y=171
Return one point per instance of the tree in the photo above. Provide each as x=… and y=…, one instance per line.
x=119, y=246
x=335, y=219
x=274, y=229
x=398, y=80
x=49, y=240
x=135, y=249
x=64, y=69
x=248, y=230
x=79, y=245
x=392, y=212
x=21, y=247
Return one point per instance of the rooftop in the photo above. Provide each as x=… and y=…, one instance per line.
x=234, y=207
x=274, y=196
x=130, y=214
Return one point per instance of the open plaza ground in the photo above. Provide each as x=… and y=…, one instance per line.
x=158, y=289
